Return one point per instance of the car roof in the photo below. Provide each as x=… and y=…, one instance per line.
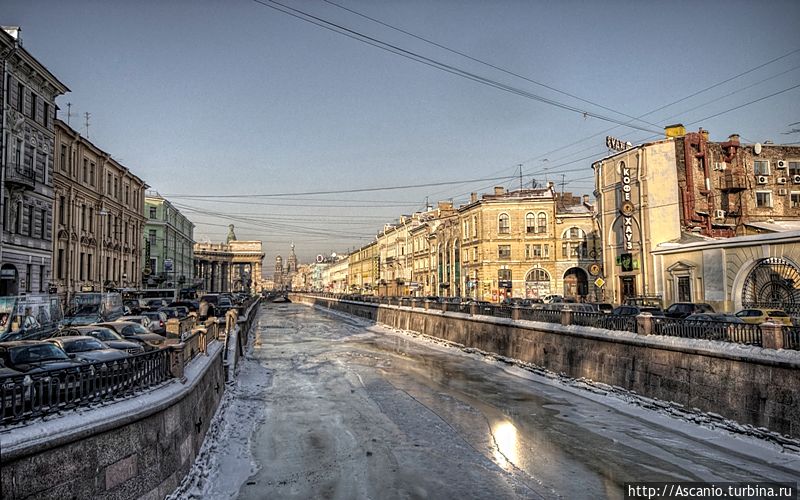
x=18, y=343
x=70, y=338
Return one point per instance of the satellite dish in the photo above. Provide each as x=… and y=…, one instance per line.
x=333, y=255
x=320, y=258
x=757, y=148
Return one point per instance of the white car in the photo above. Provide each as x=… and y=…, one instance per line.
x=142, y=320
x=549, y=299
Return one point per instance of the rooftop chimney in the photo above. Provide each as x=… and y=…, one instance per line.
x=733, y=138
x=586, y=199
x=499, y=190
x=473, y=197
x=677, y=130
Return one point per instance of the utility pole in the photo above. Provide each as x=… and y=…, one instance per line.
x=562, y=185
x=69, y=111
x=86, y=116
x=520, y=177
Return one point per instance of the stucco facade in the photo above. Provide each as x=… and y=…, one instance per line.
x=168, y=251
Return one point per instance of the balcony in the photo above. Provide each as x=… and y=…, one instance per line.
x=731, y=183
x=21, y=176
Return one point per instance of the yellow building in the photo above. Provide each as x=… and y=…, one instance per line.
x=527, y=243
x=363, y=269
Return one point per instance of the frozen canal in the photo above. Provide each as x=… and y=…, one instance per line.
x=330, y=406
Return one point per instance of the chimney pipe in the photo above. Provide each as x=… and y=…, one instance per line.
x=473, y=197
x=499, y=190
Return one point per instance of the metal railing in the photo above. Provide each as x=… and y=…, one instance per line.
x=742, y=333
x=23, y=397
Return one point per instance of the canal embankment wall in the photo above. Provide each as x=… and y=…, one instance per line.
x=140, y=447
x=750, y=385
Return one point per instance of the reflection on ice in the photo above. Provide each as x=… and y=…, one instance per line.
x=506, y=444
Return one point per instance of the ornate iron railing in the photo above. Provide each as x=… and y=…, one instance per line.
x=791, y=337
x=23, y=397
x=742, y=333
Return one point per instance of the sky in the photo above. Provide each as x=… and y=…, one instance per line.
x=239, y=100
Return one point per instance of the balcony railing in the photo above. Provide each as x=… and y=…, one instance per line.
x=21, y=175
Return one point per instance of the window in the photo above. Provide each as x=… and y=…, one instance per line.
x=46, y=117
x=20, y=97
x=794, y=200
x=63, y=158
x=91, y=173
x=43, y=214
x=29, y=276
x=60, y=264
x=152, y=237
x=30, y=220
x=761, y=167
x=81, y=272
x=504, y=275
x=764, y=199
x=89, y=266
x=530, y=223
x=152, y=212
x=41, y=278
x=18, y=220
x=474, y=226
x=504, y=251
x=542, y=223
x=503, y=225
x=794, y=168
x=684, y=289
x=61, y=209
x=85, y=170
x=34, y=97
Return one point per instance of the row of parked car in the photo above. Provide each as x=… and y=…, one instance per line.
x=691, y=311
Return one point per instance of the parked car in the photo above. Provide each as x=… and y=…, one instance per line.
x=137, y=333
x=87, y=349
x=139, y=318
x=511, y=301
x=108, y=336
x=603, y=307
x=154, y=304
x=681, y=310
x=190, y=305
x=7, y=372
x=174, y=312
x=758, y=316
x=158, y=321
x=636, y=310
x=90, y=307
x=34, y=356
x=548, y=299
x=645, y=301
x=133, y=305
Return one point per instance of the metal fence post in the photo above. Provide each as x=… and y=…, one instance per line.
x=566, y=317
x=515, y=313
x=176, y=365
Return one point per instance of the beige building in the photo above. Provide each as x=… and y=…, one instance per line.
x=363, y=270
x=225, y=267
x=97, y=217
x=335, y=276
x=528, y=243
x=685, y=188
x=732, y=273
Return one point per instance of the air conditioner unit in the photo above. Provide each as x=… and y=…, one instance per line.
x=762, y=179
x=781, y=164
x=781, y=180
x=782, y=192
x=719, y=214
x=796, y=179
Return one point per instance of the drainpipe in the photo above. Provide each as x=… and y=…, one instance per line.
x=642, y=233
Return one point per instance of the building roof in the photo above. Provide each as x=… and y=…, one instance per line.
x=777, y=226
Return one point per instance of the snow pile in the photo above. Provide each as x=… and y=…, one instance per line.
x=225, y=461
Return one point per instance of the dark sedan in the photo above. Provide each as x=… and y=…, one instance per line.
x=106, y=335
x=32, y=356
x=136, y=332
x=88, y=349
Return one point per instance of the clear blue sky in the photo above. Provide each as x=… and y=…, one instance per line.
x=232, y=97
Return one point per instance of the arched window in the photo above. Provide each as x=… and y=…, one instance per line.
x=537, y=283
x=530, y=223
x=504, y=224
x=573, y=243
x=542, y=223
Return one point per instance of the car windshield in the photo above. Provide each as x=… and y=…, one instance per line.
x=83, y=345
x=137, y=329
x=84, y=310
x=104, y=334
x=37, y=353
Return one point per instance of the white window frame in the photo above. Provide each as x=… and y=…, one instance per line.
x=791, y=202
x=768, y=172
x=770, y=204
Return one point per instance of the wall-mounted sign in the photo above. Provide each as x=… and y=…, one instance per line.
x=627, y=208
x=594, y=269
x=599, y=282
x=617, y=144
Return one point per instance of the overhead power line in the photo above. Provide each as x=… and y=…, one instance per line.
x=338, y=191
x=336, y=28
